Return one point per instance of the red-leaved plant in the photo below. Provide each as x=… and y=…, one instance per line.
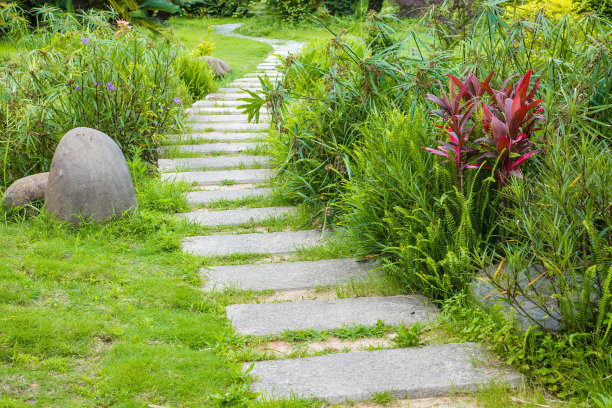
x=508, y=122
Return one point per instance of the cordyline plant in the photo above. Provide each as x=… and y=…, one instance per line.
x=508, y=121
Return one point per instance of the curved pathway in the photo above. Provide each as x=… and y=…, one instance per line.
x=220, y=174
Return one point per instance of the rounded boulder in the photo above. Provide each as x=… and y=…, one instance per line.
x=26, y=190
x=219, y=67
x=89, y=178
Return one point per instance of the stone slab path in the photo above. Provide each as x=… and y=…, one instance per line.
x=274, y=318
x=412, y=372
x=236, y=217
x=221, y=137
x=268, y=243
x=209, y=196
x=286, y=275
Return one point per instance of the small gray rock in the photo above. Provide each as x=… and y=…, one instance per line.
x=89, y=176
x=218, y=66
x=26, y=190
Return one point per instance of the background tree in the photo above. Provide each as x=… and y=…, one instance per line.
x=375, y=5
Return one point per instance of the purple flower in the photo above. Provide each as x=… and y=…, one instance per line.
x=177, y=101
x=96, y=83
x=85, y=40
x=110, y=86
x=172, y=54
x=77, y=87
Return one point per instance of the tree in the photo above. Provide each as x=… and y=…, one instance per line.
x=375, y=5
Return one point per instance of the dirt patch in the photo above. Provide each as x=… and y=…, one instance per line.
x=441, y=402
x=294, y=295
x=281, y=348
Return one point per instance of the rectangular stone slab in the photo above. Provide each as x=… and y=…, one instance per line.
x=227, y=96
x=415, y=372
x=271, y=74
x=228, y=110
x=285, y=275
x=241, y=118
x=207, y=148
x=214, y=218
x=208, y=196
x=239, y=89
x=266, y=243
x=228, y=127
x=213, y=177
x=274, y=318
x=224, y=136
x=218, y=162
x=217, y=104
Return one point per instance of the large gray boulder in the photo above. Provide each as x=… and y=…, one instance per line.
x=89, y=177
x=218, y=66
x=25, y=191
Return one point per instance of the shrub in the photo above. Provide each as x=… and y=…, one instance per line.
x=196, y=74
x=552, y=9
x=86, y=72
x=404, y=204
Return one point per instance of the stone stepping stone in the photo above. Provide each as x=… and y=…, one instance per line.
x=274, y=318
x=221, y=136
x=240, y=118
x=239, y=89
x=285, y=275
x=229, y=111
x=208, y=148
x=247, y=81
x=214, y=177
x=228, y=127
x=271, y=74
x=209, y=196
x=227, y=96
x=217, y=104
x=267, y=243
x=236, y=217
x=215, y=163
x=415, y=372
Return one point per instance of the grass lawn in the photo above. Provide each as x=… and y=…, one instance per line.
x=241, y=54
x=107, y=315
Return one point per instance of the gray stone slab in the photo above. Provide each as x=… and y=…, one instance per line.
x=217, y=104
x=218, y=110
x=285, y=275
x=228, y=127
x=214, y=218
x=209, y=196
x=213, y=163
x=416, y=372
x=236, y=118
x=227, y=96
x=213, y=177
x=267, y=243
x=208, y=148
x=274, y=318
x=240, y=89
x=268, y=73
x=222, y=136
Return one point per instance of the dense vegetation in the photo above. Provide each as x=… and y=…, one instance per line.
x=473, y=140
x=477, y=138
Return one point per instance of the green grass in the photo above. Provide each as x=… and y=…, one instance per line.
x=7, y=48
x=110, y=313
x=242, y=55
